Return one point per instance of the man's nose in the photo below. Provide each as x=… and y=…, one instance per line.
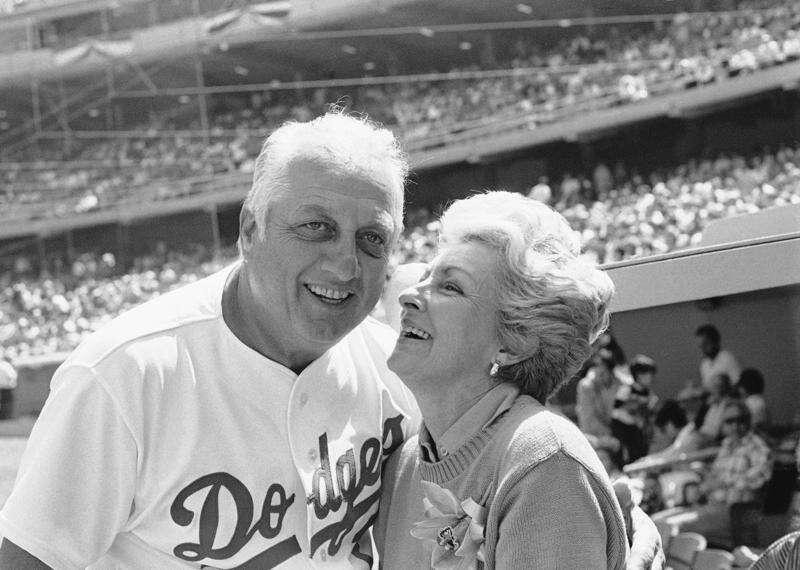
x=342, y=260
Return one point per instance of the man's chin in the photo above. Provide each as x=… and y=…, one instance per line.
x=326, y=334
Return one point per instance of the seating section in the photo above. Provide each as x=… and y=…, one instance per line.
x=683, y=549
x=530, y=84
x=714, y=559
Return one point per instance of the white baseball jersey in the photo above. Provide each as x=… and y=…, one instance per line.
x=168, y=443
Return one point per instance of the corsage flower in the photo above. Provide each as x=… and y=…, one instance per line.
x=456, y=527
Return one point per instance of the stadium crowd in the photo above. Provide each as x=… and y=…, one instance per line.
x=538, y=83
x=707, y=459
x=622, y=215
x=619, y=214
x=53, y=308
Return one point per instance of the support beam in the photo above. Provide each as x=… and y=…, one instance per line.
x=106, y=26
x=216, y=240
x=199, y=79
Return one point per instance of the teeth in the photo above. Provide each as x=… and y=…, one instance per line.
x=417, y=332
x=328, y=293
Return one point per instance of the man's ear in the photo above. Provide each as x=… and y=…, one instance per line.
x=248, y=229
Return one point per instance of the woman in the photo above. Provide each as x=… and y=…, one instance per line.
x=504, y=314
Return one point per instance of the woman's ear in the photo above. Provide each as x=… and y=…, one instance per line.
x=505, y=357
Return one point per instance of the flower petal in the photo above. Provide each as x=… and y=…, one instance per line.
x=430, y=509
x=438, y=522
x=474, y=510
x=442, y=499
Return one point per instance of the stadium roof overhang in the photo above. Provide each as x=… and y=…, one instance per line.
x=744, y=253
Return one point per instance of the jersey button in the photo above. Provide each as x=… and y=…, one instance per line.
x=303, y=399
x=312, y=454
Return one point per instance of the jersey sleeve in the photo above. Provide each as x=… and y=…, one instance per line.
x=75, y=485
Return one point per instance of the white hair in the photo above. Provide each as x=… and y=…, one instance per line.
x=552, y=303
x=347, y=143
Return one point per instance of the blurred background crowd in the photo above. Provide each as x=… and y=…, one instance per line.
x=534, y=84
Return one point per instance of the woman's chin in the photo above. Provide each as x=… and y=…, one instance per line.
x=405, y=365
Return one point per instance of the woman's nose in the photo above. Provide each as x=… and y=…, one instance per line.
x=411, y=298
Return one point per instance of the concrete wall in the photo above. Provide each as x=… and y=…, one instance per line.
x=762, y=328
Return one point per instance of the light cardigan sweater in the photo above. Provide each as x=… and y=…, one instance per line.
x=549, y=501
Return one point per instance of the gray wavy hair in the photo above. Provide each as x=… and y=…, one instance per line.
x=347, y=143
x=552, y=303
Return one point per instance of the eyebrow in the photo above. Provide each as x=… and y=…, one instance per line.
x=450, y=269
x=382, y=223
x=313, y=209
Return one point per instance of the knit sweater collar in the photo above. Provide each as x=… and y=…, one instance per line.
x=456, y=462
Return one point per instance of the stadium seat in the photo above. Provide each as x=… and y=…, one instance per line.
x=667, y=531
x=713, y=559
x=683, y=549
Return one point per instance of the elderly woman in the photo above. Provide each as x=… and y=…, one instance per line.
x=505, y=313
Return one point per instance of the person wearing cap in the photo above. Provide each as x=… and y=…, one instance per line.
x=643, y=370
x=720, y=393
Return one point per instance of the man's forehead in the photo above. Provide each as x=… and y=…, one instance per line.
x=342, y=207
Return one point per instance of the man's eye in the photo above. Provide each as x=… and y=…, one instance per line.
x=451, y=287
x=374, y=238
x=373, y=244
x=315, y=230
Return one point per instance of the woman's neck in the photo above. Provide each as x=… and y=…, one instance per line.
x=441, y=407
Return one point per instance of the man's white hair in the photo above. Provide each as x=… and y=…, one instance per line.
x=346, y=143
x=552, y=303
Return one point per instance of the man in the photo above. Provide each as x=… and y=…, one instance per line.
x=715, y=360
x=241, y=421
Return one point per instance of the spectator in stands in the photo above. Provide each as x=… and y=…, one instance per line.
x=629, y=422
x=692, y=399
x=751, y=387
x=715, y=360
x=603, y=180
x=652, y=497
x=8, y=383
x=673, y=432
x=720, y=394
x=794, y=506
x=692, y=495
x=595, y=396
x=643, y=371
x=732, y=487
x=541, y=191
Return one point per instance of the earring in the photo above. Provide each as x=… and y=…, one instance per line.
x=494, y=369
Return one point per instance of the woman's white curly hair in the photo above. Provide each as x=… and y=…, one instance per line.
x=552, y=303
